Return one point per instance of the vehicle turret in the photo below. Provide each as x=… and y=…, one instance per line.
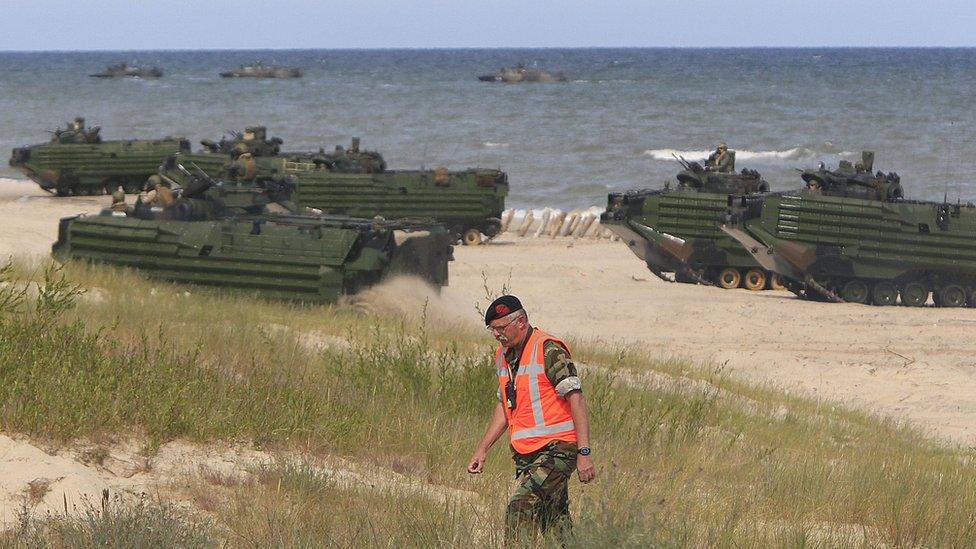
x=855, y=181
x=676, y=229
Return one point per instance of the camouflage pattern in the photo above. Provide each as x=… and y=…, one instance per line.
x=558, y=364
x=254, y=139
x=723, y=163
x=857, y=240
x=855, y=181
x=126, y=70
x=540, y=501
x=229, y=235
x=521, y=73
x=677, y=230
x=260, y=70
x=77, y=161
x=356, y=182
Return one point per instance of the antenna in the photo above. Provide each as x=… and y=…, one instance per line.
x=948, y=144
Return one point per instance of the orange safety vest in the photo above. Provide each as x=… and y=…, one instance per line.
x=540, y=415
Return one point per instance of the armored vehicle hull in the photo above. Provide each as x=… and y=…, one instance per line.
x=282, y=257
x=861, y=250
x=678, y=231
x=521, y=73
x=263, y=71
x=468, y=203
x=94, y=168
x=124, y=70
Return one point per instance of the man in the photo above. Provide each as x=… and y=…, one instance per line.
x=721, y=160
x=118, y=200
x=242, y=167
x=813, y=185
x=541, y=405
x=157, y=192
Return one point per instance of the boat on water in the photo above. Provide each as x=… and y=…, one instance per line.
x=120, y=70
x=260, y=70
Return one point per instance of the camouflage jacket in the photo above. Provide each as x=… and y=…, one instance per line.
x=721, y=163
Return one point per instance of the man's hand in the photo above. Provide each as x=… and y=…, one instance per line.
x=584, y=468
x=476, y=463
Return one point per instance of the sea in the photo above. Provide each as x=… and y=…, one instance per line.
x=616, y=124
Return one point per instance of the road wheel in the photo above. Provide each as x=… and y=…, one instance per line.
x=884, y=293
x=729, y=278
x=471, y=237
x=854, y=291
x=755, y=280
x=914, y=294
x=776, y=283
x=952, y=296
x=972, y=298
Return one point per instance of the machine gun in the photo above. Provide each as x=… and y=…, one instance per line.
x=688, y=164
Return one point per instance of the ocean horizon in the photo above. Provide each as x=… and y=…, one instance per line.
x=613, y=125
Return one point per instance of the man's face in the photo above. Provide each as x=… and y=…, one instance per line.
x=721, y=150
x=507, y=331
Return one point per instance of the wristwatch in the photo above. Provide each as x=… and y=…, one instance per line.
x=584, y=451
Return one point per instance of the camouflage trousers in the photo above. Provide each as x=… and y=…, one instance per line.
x=540, y=502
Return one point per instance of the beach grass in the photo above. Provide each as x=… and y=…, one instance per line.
x=686, y=454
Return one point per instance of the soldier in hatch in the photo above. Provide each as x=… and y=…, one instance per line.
x=242, y=168
x=722, y=160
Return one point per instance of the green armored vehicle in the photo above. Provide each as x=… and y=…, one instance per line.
x=254, y=139
x=856, y=239
x=521, y=73
x=260, y=70
x=677, y=230
x=252, y=238
x=77, y=161
x=356, y=182
x=125, y=70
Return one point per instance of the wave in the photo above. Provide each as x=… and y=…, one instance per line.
x=794, y=154
x=492, y=145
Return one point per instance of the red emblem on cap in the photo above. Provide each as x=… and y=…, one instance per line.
x=502, y=309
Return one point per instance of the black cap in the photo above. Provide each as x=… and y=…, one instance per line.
x=506, y=304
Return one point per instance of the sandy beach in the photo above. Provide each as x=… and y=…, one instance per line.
x=913, y=364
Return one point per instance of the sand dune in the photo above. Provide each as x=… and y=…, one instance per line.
x=914, y=364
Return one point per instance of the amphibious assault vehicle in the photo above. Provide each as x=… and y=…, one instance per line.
x=856, y=239
x=677, y=230
x=260, y=70
x=254, y=139
x=252, y=238
x=78, y=161
x=521, y=73
x=356, y=182
x=125, y=70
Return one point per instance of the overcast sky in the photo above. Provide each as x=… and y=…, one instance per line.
x=259, y=24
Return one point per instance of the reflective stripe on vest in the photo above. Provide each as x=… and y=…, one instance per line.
x=531, y=373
